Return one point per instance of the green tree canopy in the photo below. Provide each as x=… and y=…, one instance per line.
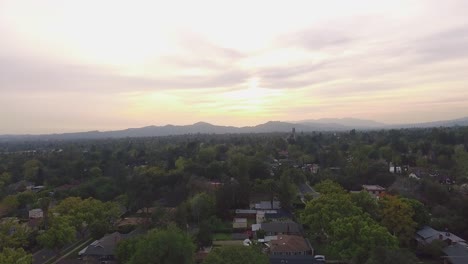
x=383, y=255
x=84, y=213
x=202, y=206
x=320, y=212
x=15, y=256
x=355, y=236
x=159, y=246
x=13, y=234
x=329, y=187
x=421, y=214
x=366, y=202
x=397, y=217
x=58, y=235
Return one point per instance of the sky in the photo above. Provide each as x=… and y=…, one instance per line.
x=107, y=64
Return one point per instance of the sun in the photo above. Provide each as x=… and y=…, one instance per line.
x=251, y=99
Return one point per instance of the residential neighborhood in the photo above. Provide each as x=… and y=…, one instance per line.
x=205, y=197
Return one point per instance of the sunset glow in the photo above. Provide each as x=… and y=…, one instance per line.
x=85, y=65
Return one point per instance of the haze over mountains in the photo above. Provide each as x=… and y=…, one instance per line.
x=326, y=124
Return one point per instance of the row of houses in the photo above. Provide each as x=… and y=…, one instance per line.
x=456, y=251
x=282, y=238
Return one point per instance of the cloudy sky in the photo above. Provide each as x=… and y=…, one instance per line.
x=95, y=64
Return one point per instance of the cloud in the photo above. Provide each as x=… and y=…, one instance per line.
x=442, y=46
x=316, y=39
x=29, y=74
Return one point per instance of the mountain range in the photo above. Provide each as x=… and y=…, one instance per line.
x=326, y=124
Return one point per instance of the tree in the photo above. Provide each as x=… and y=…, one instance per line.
x=397, y=217
x=202, y=206
x=5, y=179
x=15, y=256
x=433, y=249
x=355, y=236
x=205, y=235
x=13, y=234
x=84, y=213
x=461, y=163
x=9, y=204
x=159, y=246
x=286, y=192
x=236, y=255
x=125, y=249
x=320, y=212
x=382, y=255
x=25, y=198
x=58, y=235
x=329, y=187
x=31, y=169
x=95, y=172
x=421, y=214
x=366, y=202
x=44, y=204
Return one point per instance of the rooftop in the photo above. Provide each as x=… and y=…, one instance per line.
x=288, y=243
x=373, y=187
x=457, y=253
x=280, y=227
x=275, y=259
x=428, y=234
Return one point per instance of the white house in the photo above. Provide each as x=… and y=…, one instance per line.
x=36, y=213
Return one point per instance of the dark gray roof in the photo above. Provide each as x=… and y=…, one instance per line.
x=428, y=234
x=281, y=227
x=274, y=259
x=279, y=214
x=106, y=245
x=457, y=253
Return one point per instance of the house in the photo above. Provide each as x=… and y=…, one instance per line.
x=374, y=190
x=267, y=205
x=278, y=228
x=457, y=250
x=278, y=215
x=456, y=254
x=413, y=176
x=104, y=248
x=246, y=213
x=299, y=259
x=38, y=188
x=201, y=255
x=394, y=169
x=239, y=223
x=288, y=245
x=260, y=217
x=36, y=213
x=428, y=234
x=283, y=154
x=20, y=186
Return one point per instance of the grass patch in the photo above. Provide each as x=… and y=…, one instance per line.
x=221, y=236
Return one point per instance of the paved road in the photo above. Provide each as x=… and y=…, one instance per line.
x=304, y=189
x=44, y=255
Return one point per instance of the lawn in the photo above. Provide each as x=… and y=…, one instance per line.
x=221, y=236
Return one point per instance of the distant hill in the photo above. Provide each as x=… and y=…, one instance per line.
x=447, y=123
x=328, y=124
x=346, y=122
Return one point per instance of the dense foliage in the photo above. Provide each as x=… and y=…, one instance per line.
x=84, y=187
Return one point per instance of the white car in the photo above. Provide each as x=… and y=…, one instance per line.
x=320, y=257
